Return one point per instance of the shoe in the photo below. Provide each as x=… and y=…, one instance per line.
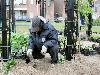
x=54, y=62
x=27, y=60
x=69, y=58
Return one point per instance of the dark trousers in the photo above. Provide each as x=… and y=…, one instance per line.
x=53, y=51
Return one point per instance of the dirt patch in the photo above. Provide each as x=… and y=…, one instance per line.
x=82, y=65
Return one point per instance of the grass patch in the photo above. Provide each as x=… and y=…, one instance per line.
x=59, y=26
x=22, y=22
x=22, y=29
x=96, y=29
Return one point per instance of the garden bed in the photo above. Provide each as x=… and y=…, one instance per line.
x=82, y=65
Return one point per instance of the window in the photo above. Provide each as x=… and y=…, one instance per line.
x=34, y=2
x=49, y=3
x=20, y=1
x=24, y=1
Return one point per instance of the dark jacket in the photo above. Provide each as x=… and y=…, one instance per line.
x=47, y=37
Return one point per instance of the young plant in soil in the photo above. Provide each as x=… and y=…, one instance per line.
x=8, y=66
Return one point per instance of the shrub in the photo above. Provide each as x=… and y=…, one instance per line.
x=8, y=66
x=18, y=41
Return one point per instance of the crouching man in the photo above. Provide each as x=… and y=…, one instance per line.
x=43, y=39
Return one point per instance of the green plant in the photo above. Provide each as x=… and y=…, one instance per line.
x=61, y=58
x=94, y=37
x=8, y=66
x=96, y=22
x=18, y=41
x=84, y=7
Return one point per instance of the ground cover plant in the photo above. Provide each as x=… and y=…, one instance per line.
x=19, y=43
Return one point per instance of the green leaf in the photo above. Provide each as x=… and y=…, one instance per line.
x=18, y=40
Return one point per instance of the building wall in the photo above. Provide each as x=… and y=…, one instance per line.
x=50, y=10
x=30, y=7
x=17, y=14
x=97, y=6
x=20, y=7
x=59, y=7
x=56, y=6
x=33, y=9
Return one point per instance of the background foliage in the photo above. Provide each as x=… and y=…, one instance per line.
x=84, y=7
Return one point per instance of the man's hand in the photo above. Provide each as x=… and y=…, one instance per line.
x=29, y=52
x=27, y=59
x=44, y=50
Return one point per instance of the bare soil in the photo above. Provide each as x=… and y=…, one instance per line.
x=82, y=65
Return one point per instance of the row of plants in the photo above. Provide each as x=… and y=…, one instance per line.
x=89, y=47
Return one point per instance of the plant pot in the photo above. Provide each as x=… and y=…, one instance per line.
x=93, y=52
x=82, y=51
x=97, y=50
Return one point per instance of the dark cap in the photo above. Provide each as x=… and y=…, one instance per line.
x=35, y=24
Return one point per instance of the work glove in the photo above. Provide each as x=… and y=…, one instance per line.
x=27, y=59
x=29, y=52
x=44, y=50
x=29, y=56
